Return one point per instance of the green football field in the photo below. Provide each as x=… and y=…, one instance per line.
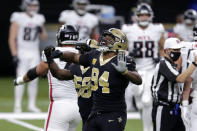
x=7, y=102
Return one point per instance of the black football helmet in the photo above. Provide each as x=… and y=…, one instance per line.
x=195, y=32
x=80, y=6
x=26, y=3
x=67, y=34
x=144, y=8
x=190, y=16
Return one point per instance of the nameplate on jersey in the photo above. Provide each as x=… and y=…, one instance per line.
x=94, y=61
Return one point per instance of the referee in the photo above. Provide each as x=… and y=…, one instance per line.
x=167, y=89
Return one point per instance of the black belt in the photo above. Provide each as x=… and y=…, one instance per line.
x=164, y=103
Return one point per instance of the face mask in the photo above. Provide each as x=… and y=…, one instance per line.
x=32, y=13
x=175, y=55
x=144, y=23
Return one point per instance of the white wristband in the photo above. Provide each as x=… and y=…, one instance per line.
x=185, y=103
x=20, y=80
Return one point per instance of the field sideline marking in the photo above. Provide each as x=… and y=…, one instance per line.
x=25, y=124
x=42, y=116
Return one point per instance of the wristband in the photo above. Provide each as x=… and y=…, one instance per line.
x=185, y=103
x=194, y=64
x=125, y=72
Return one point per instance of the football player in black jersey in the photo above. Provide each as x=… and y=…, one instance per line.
x=109, y=78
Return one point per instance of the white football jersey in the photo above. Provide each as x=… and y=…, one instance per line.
x=185, y=52
x=86, y=22
x=27, y=37
x=61, y=89
x=194, y=74
x=184, y=32
x=145, y=42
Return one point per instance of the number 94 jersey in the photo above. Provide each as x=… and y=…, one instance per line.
x=28, y=33
x=145, y=43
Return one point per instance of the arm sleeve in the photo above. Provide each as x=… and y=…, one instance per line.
x=42, y=19
x=15, y=17
x=168, y=71
x=85, y=59
x=63, y=16
x=72, y=69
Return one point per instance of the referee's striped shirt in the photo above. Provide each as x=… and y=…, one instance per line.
x=164, y=86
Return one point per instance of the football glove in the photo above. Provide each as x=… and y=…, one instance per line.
x=133, y=53
x=82, y=47
x=121, y=63
x=15, y=60
x=130, y=63
x=47, y=51
x=39, y=29
x=156, y=60
x=56, y=54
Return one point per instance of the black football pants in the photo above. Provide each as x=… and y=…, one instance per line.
x=166, y=119
x=108, y=121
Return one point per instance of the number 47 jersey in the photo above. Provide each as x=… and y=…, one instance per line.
x=28, y=33
x=145, y=43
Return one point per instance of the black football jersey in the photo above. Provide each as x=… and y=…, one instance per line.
x=82, y=80
x=108, y=85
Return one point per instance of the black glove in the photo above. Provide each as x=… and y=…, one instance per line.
x=156, y=60
x=15, y=83
x=39, y=29
x=82, y=47
x=56, y=54
x=15, y=60
x=133, y=53
x=47, y=51
x=131, y=65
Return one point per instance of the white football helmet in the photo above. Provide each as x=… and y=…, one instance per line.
x=80, y=6
x=142, y=9
x=190, y=17
x=25, y=6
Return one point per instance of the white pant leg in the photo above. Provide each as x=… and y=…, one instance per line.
x=33, y=85
x=129, y=97
x=144, y=100
x=19, y=90
x=194, y=115
x=63, y=115
x=147, y=102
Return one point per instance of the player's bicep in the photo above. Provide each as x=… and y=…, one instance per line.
x=84, y=60
x=42, y=69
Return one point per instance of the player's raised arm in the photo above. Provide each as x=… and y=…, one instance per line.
x=121, y=67
x=61, y=74
x=33, y=73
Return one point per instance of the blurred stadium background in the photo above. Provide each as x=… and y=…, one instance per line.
x=111, y=13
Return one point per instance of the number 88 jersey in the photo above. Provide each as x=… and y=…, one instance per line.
x=145, y=43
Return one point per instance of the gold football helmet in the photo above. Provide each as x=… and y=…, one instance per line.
x=119, y=41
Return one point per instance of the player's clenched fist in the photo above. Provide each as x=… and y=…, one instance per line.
x=47, y=51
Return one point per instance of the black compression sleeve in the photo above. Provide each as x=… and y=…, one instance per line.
x=32, y=73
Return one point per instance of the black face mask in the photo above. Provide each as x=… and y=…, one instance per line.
x=175, y=55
